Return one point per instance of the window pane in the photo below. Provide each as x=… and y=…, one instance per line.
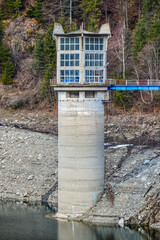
x=62, y=63
x=77, y=63
x=86, y=63
x=87, y=47
x=101, y=40
x=96, y=40
x=67, y=56
x=91, y=40
x=77, y=40
x=66, y=40
x=72, y=72
x=71, y=63
x=96, y=56
x=86, y=56
x=77, y=56
x=62, y=47
x=62, y=40
x=66, y=47
x=87, y=40
x=101, y=47
x=67, y=63
x=92, y=47
x=71, y=47
x=72, y=56
x=91, y=56
x=96, y=47
x=62, y=56
x=96, y=63
x=72, y=40
x=77, y=47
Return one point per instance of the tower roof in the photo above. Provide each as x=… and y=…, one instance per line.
x=103, y=31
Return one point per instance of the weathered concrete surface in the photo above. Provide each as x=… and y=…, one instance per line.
x=80, y=152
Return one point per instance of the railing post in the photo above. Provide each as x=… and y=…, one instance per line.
x=126, y=82
x=148, y=82
x=115, y=81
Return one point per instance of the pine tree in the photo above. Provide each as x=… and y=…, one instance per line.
x=8, y=73
x=39, y=52
x=148, y=27
x=91, y=10
x=39, y=11
x=50, y=47
x=12, y=7
x=1, y=26
x=36, y=11
x=140, y=38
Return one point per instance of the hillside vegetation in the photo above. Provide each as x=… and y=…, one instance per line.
x=28, y=52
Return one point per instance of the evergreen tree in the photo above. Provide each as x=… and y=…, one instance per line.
x=36, y=11
x=140, y=36
x=6, y=65
x=1, y=26
x=148, y=27
x=50, y=47
x=12, y=7
x=39, y=52
x=39, y=11
x=8, y=73
x=91, y=10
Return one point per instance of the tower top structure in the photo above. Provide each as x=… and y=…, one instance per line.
x=81, y=55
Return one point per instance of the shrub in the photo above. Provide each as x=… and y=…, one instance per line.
x=123, y=99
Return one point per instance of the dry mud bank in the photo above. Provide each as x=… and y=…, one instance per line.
x=28, y=165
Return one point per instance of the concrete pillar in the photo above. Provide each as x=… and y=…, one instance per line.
x=80, y=150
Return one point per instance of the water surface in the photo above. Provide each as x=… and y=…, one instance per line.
x=26, y=221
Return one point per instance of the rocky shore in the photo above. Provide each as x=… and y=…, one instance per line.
x=28, y=165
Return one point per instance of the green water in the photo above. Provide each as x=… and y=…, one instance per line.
x=24, y=222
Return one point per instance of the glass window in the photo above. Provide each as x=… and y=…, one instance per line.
x=69, y=43
x=69, y=75
x=94, y=76
x=69, y=60
x=94, y=44
x=92, y=60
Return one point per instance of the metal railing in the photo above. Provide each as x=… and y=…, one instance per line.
x=96, y=81
x=124, y=82
x=133, y=82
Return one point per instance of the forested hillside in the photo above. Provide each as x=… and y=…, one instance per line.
x=28, y=52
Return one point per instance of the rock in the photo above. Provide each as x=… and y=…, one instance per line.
x=26, y=195
x=121, y=222
x=30, y=177
x=146, y=162
x=155, y=226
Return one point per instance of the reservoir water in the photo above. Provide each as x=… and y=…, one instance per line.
x=20, y=221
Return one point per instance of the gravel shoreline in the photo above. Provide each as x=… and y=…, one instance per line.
x=28, y=168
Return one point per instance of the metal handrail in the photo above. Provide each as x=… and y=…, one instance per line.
x=133, y=82
x=124, y=82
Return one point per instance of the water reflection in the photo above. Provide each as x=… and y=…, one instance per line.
x=26, y=221
x=79, y=231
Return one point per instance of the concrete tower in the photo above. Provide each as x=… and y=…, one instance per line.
x=81, y=76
